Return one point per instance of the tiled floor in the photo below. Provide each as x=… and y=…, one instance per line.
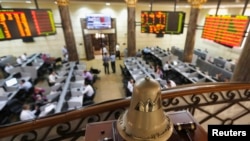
x=109, y=86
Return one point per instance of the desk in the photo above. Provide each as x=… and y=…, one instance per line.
x=99, y=131
x=65, y=88
x=9, y=96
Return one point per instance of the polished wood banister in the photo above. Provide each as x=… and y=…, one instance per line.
x=22, y=127
x=202, y=88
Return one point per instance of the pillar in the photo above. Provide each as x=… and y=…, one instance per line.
x=67, y=29
x=242, y=69
x=131, y=27
x=190, y=38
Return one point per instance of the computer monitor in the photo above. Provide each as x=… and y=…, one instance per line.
x=11, y=82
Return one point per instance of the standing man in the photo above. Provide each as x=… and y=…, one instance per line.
x=105, y=60
x=112, y=61
x=117, y=49
x=65, y=54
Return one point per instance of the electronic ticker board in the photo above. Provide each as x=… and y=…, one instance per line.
x=21, y=23
x=227, y=30
x=166, y=22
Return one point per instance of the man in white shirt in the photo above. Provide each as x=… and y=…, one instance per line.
x=24, y=57
x=130, y=85
x=170, y=84
x=117, y=51
x=19, y=60
x=166, y=66
x=104, y=50
x=52, y=77
x=27, y=114
x=88, y=92
x=8, y=67
x=26, y=85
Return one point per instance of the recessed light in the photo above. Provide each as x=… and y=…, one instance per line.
x=27, y=1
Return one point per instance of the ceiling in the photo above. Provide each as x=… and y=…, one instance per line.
x=180, y=2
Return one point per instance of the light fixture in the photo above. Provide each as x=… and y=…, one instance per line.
x=27, y=1
x=196, y=3
x=108, y=4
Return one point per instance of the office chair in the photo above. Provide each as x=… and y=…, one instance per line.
x=14, y=107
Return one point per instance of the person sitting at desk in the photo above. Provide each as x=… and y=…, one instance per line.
x=52, y=77
x=8, y=67
x=25, y=85
x=158, y=71
x=19, y=60
x=138, y=53
x=130, y=85
x=88, y=92
x=170, y=84
x=24, y=56
x=88, y=76
x=39, y=96
x=166, y=69
x=218, y=77
x=27, y=113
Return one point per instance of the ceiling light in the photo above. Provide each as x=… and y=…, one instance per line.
x=108, y=4
x=27, y=1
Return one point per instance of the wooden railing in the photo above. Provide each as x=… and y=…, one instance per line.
x=210, y=103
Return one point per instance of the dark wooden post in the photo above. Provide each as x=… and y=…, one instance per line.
x=67, y=29
x=242, y=69
x=131, y=27
x=190, y=38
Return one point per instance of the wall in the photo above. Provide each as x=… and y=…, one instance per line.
x=53, y=44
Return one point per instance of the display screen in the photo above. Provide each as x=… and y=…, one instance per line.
x=98, y=21
x=21, y=23
x=162, y=22
x=225, y=30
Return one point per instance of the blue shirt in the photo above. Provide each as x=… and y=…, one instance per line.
x=112, y=58
x=106, y=59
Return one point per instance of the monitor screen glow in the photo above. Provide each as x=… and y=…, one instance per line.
x=98, y=21
x=11, y=82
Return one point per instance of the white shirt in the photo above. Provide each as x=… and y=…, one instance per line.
x=52, y=78
x=64, y=51
x=24, y=57
x=8, y=68
x=172, y=84
x=104, y=49
x=166, y=67
x=19, y=60
x=26, y=85
x=88, y=90
x=117, y=47
x=130, y=86
x=27, y=114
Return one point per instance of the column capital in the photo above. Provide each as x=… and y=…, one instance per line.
x=196, y=3
x=131, y=3
x=62, y=2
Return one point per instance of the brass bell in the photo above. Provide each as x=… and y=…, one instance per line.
x=145, y=119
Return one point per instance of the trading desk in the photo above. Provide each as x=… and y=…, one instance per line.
x=4, y=99
x=65, y=88
x=105, y=131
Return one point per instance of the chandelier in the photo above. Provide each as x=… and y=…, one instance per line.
x=196, y=3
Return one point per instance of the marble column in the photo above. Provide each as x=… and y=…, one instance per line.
x=131, y=45
x=67, y=29
x=190, y=38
